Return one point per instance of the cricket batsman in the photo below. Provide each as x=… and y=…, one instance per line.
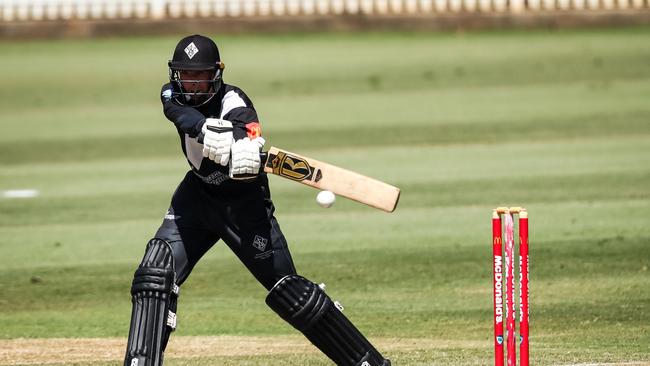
x=225, y=197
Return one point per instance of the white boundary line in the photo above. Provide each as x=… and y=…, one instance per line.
x=20, y=193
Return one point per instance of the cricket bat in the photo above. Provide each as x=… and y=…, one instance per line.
x=328, y=177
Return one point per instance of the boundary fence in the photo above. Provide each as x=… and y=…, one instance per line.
x=61, y=10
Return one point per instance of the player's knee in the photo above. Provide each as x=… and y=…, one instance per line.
x=156, y=271
x=298, y=301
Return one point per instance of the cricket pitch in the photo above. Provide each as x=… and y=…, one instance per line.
x=61, y=351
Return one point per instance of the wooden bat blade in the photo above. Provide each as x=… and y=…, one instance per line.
x=342, y=182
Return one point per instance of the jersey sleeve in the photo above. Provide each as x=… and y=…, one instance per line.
x=237, y=108
x=187, y=119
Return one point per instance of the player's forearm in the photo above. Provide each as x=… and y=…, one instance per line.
x=187, y=119
x=245, y=123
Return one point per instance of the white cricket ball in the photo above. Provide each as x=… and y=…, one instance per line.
x=325, y=199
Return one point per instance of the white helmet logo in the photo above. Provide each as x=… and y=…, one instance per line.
x=191, y=50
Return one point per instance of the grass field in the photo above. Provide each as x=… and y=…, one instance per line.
x=556, y=121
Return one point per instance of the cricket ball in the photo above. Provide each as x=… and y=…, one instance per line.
x=325, y=199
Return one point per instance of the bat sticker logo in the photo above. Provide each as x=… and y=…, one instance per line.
x=295, y=168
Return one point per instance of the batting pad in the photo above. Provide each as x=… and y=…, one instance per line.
x=154, y=294
x=305, y=306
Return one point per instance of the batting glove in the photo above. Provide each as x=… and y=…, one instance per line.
x=245, y=162
x=217, y=140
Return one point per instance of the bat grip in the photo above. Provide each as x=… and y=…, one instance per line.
x=263, y=156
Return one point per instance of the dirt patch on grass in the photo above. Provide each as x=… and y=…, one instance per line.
x=57, y=351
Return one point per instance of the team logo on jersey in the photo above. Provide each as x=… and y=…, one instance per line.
x=260, y=243
x=191, y=50
x=167, y=94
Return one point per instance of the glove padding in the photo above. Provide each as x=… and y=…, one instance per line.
x=217, y=140
x=245, y=162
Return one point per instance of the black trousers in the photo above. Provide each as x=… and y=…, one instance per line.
x=240, y=214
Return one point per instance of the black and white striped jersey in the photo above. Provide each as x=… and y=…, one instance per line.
x=231, y=104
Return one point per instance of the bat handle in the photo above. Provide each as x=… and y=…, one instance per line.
x=263, y=156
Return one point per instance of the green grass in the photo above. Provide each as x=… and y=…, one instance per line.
x=556, y=121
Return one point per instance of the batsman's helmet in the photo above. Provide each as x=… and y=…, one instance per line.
x=195, y=53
